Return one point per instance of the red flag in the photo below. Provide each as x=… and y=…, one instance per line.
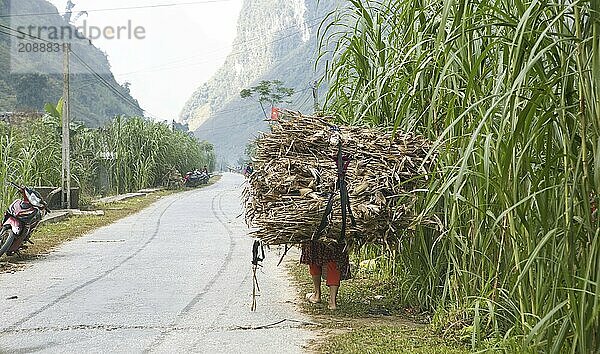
x=274, y=113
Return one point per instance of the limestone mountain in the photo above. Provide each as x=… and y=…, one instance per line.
x=276, y=40
x=94, y=100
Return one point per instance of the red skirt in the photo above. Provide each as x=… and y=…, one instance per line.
x=320, y=254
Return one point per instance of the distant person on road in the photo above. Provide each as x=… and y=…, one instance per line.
x=334, y=258
x=205, y=170
x=248, y=170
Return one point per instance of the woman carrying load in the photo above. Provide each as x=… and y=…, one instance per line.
x=334, y=259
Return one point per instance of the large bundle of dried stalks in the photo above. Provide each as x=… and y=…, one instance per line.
x=295, y=170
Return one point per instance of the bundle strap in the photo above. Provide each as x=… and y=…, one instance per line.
x=342, y=163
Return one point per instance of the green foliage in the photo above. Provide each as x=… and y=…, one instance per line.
x=28, y=155
x=132, y=153
x=271, y=92
x=139, y=153
x=371, y=318
x=389, y=339
x=509, y=90
x=54, y=111
x=30, y=89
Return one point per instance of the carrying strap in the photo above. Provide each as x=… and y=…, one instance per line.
x=342, y=162
x=258, y=255
x=258, y=252
x=285, y=252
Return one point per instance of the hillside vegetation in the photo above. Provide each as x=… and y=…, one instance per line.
x=92, y=102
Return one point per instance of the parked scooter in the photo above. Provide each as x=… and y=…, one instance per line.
x=196, y=178
x=21, y=219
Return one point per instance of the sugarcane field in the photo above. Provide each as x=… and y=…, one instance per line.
x=300, y=176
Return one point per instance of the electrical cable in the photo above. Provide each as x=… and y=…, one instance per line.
x=90, y=69
x=313, y=23
x=120, y=94
x=200, y=130
x=219, y=113
x=111, y=87
x=122, y=8
x=30, y=36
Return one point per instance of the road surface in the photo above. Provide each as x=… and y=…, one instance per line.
x=173, y=278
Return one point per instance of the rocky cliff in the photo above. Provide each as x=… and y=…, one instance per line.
x=28, y=82
x=276, y=40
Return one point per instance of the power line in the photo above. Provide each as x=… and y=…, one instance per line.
x=162, y=67
x=83, y=84
x=6, y=33
x=200, y=130
x=310, y=24
x=231, y=110
x=107, y=84
x=219, y=113
x=31, y=37
x=136, y=106
x=122, y=8
x=98, y=77
x=313, y=22
x=90, y=69
x=299, y=97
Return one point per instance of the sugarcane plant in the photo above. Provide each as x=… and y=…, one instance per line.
x=135, y=153
x=510, y=92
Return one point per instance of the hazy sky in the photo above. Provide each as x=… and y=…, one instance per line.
x=184, y=46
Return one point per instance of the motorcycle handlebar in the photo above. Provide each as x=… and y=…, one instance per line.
x=15, y=185
x=22, y=189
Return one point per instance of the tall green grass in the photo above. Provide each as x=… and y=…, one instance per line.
x=510, y=92
x=141, y=153
x=133, y=153
x=28, y=154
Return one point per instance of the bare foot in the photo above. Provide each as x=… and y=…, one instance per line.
x=313, y=298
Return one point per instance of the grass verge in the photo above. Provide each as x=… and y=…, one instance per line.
x=51, y=235
x=370, y=319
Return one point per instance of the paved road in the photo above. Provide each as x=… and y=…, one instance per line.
x=174, y=278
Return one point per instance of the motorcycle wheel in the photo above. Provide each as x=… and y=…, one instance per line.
x=7, y=237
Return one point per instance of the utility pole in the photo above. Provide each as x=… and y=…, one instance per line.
x=315, y=88
x=66, y=142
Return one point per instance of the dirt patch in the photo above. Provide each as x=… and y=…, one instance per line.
x=12, y=267
x=370, y=318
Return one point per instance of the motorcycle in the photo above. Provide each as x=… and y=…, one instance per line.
x=21, y=219
x=196, y=178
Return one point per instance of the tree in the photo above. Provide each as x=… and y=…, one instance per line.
x=54, y=116
x=268, y=92
x=69, y=13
